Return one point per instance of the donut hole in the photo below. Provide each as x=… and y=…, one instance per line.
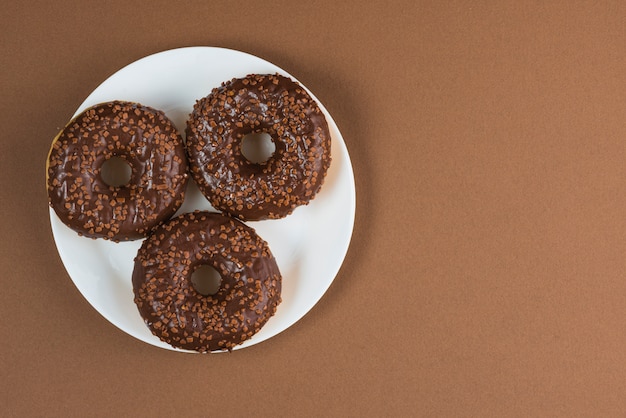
x=116, y=172
x=206, y=280
x=257, y=147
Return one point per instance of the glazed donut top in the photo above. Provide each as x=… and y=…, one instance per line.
x=258, y=103
x=170, y=305
x=147, y=140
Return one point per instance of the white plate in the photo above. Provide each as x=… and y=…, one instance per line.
x=309, y=245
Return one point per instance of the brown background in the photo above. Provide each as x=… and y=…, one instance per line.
x=486, y=275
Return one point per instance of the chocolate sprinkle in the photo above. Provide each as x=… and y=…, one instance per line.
x=147, y=140
x=258, y=103
x=182, y=317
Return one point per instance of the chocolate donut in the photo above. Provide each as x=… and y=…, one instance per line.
x=171, y=306
x=147, y=140
x=271, y=104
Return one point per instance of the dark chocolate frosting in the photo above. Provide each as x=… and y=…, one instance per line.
x=176, y=312
x=147, y=140
x=271, y=104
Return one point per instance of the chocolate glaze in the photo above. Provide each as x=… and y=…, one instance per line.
x=149, y=143
x=255, y=104
x=173, y=309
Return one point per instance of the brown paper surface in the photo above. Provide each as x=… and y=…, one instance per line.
x=486, y=273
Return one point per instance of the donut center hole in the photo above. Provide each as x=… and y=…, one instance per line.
x=116, y=172
x=206, y=280
x=257, y=147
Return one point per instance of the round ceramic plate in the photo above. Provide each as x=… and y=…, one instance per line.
x=309, y=245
